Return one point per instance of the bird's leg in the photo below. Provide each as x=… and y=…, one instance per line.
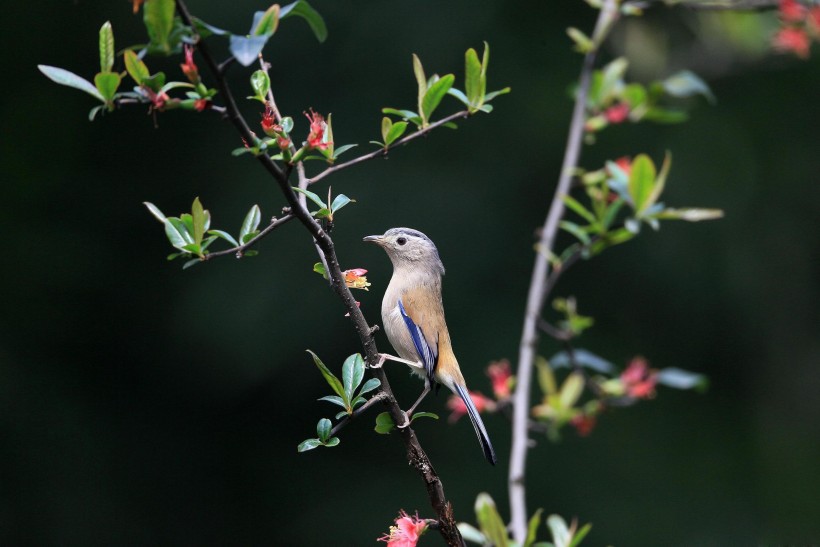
x=412, y=409
x=387, y=357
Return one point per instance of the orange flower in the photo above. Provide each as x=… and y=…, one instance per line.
x=406, y=532
x=189, y=67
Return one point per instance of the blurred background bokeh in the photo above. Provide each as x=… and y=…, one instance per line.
x=145, y=405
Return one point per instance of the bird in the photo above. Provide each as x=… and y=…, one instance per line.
x=413, y=319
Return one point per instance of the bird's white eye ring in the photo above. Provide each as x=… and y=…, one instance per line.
x=401, y=241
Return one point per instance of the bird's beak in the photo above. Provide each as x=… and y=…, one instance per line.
x=373, y=239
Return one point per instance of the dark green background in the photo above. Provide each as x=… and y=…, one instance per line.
x=144, y=405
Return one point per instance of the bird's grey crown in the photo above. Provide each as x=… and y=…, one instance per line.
x=409, y=232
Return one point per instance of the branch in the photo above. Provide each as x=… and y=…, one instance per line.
x=539, y=285
x=239, y=251
x=416, y=456
x=379, y=397
x=383, y=151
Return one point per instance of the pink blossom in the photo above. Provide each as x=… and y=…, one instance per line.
x=459, y=409
x=792, y=11
x=639, y=380
x=406, y=532
x=317, y=131
x=501, y=378
x=189, y=67
x=617, y=113
x=792, y=39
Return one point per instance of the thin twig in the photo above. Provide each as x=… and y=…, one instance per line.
x=239, y=251
x=383, y=151
x=539, y=284
x=416, y=456
x=379, y=397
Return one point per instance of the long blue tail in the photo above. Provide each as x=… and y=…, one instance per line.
x=478, y=425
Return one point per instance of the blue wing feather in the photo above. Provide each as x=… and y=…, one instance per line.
x=428, y=357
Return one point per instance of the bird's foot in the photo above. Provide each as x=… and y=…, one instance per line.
x=380, y=362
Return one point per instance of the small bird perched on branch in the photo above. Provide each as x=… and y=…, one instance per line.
x=413, y=317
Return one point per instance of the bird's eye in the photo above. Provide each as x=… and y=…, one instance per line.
x=401, y=241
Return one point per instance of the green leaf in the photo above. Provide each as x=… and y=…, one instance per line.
x=571, y=390
x=532, y=528
x=154, y=210
x=251, y=223
x=423, y=415
x=191, y=263
x=641, y=182
x=493, y=94
x=689, y=214
x=384, y=423
x=67, y=78
x=612, y=79
x=311, y=196
x=582, y=42
x=686, y=84
x=660, y=180
x=584, y=358
x=582, y=211
x=260, y=83
x=485, y=61
x=387, y=124
x=458, y=94
x=176, y=233
x=369, y=386
x=106, y=47
x=471, y=534
x=342, y=149
x=135, y=67
x=319, y=268
x=224, y=235
x=323, y=429
x=546, y=379
x=335, y=399
x=158, y=16
x=559, y=530
x=302, y=9
x=490, y=522
x=472, y=80
x=333, y=441
x=267, y=22
x=575, y=230
x=246, y=49
x=155, y=82
x=682, y=379
x=352, y=373
x=107, y=84
x=421, y=80
x=330, y=378
x=396, y=131
x=434, y=94
x=404, y=114
x=308, y=444
x=198, y=215
x=322, y=213
x=580, y=535
x=665, y=115
x=339, y=201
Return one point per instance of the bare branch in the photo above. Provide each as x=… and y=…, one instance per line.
x=239, y=251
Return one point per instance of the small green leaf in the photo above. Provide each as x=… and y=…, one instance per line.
x=322, y=213
x=333, y=441
x=571, y=390
x=660, y=180
x=246, y=49
x=575, y=230
x=224, y=235
x=191, y=263
x=304, y=10
x=260, y=83
x=387, y=123
x=158, y=16
x=198, y=216
x=546, y=378
x=423, y=415
x=580, y=535
x=384, y=423
x=682, y=379
x=490, y=522
x=311, y=196
x=308, y=444
x=176, y=233
x=154, y=210
x=582, y=211
x=559, y=530
x=641, y=182
x=472, y=80
x=323, y=429
x=319, y=268
x=434, y=94
x=471, y=534
x=458, y=94
x=335, y=399
x=67, y=78
x=135, y=67
x=665, y=115
x=582, y=42
x=106, y=47
x=396, y=131
x=532, y=528
x=421, y=80
x=339, y=201
x=342, y=149
x=369, y=386
x=493, y=94
x=404, y=114
x=350, y=377
x=251, y=222
x=686, y=84
x=690, y=214
x=267, y=22
x=330, y=378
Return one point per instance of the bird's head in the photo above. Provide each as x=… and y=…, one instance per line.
x=408, y=248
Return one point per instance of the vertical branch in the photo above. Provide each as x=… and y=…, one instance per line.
x=539, y=286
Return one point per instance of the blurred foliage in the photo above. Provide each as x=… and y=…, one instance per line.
x=146, y=405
